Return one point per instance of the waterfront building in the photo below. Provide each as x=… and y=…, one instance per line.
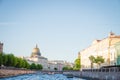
x=37, y=58
x=59, y=64
x=47, y=64
x=108, y=48
x=117, y=53
x=1, y=47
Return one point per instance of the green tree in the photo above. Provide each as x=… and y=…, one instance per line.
x=33, y=66
x=99, y=60
x=55, y=69
x=67, y=68
x=39, y=67
x=4, y=59
x=92, y=60
x=15, y=61
x=1, y=61
x=10, y=60
x=25, y=64
x=19, y=63
x=77, y=63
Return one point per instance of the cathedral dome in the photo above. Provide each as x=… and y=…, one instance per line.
x=35, y=52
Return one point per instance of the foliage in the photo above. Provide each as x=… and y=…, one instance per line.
x=67, y=68
x=98, y=60
x=39, y=67
x=92, y=60
x=33, y=66
x=10, y=60
x=1, y=61
x=77, y=65
x=55, y=69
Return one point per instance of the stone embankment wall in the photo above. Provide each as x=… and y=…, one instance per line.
x=13, y=72
x=102, y=75
x=97, y=74
x=72, y=73
x=111, y=73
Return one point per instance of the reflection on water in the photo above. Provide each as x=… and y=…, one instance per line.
x=41, y=77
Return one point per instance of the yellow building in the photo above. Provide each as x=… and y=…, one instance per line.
x=104, y=48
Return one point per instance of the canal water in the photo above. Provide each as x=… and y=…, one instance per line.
x=41, y=77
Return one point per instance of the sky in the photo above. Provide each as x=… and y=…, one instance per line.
x=60, y=28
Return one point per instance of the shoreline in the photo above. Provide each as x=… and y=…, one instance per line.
x=4, y=73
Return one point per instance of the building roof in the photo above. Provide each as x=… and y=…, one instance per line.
x=35, y=52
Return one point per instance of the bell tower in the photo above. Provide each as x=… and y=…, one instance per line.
x=1, y=47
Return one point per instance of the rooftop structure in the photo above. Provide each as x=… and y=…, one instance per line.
x=104, y=48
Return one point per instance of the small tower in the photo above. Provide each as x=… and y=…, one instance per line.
x=78, y=55
x=36, y=46
x=1, y=47
x=111, y=34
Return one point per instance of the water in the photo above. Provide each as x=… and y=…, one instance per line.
x=41, y=77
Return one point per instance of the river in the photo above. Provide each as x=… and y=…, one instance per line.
x=41, y=77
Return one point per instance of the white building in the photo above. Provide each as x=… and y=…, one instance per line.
x=47, y=65
x=37, y=58
x=104, y=48
x=59, y=64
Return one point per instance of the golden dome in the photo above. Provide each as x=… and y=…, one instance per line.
x=35, y=52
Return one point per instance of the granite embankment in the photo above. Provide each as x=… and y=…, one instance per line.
x=14, y=72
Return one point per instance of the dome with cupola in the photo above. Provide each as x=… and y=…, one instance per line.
x=36, y=52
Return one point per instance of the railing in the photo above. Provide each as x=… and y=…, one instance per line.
x=102, y=70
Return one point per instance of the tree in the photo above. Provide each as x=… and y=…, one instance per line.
x=15, y=61
x=33, y=66
x=55, y=69
x=67, y=68
x=77, y=65
x=39, y=67
x=4, y=59
x=92, y=60
x=99, y=60
x=19, y=63
x=10, y=61
x=1, y=62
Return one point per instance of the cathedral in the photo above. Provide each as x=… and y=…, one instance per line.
x=47, y=65
x=37, y=58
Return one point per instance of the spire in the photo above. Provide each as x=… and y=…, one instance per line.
x=36, y=46
x=111, y=33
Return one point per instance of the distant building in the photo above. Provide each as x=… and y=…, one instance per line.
x=1, y=47
x=108, y=48
x=47, y=65
x=37, y=58
x=59, y=64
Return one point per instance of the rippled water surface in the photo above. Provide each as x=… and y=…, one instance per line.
x=41, y=77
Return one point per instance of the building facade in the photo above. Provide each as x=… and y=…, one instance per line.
x=37, y=58
x=47, y=64
x=59, y=64
x=1, y=47
x=105, y=48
